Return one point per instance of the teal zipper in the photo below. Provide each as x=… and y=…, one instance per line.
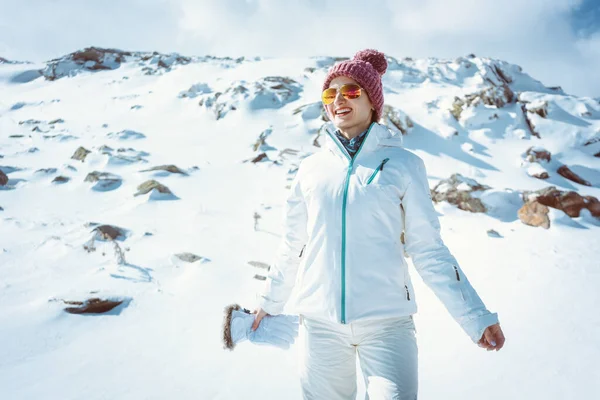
x=345, y=198
x=377, y=170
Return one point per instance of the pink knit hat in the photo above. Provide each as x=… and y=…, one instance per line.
x=366, y=68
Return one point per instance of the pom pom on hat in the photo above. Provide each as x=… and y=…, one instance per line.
x=373, y=57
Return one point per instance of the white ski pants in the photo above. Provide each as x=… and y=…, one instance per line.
x=387, y=352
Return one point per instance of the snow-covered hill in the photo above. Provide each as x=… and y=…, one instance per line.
x=157, y=181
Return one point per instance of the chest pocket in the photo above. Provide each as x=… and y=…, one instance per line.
x=377, y=171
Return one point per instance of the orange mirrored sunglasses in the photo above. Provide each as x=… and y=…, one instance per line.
x=349, y=91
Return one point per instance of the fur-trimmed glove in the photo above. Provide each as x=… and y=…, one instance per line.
x=276, y=330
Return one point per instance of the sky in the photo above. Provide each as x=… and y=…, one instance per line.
x=555, y=41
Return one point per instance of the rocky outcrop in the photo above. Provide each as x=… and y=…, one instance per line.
x=536, y=154
x=529, y=122
x=459, y=190
x=268, y=92
x=572, y=176
x=497, y=96
x=571, y=203
x=100, y=59
x=396, y=119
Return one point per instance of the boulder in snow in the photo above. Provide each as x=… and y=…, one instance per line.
x=150, y=185
x=534, y=213
x=80, y=154
x=460, y=191
x=104, y=181
x=92, y=306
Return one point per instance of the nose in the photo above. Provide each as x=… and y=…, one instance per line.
x=339, y=98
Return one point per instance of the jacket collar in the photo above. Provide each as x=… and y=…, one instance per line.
x=377, y=136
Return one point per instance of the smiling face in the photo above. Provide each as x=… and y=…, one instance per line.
x=351, y=116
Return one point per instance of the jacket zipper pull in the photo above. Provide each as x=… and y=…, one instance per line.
x=407, y=294
x=383, y=163
x=456, y=270
x=379, y=168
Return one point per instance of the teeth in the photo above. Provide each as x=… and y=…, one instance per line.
x=343, y=111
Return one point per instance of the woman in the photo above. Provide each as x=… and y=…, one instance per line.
x=344, y=217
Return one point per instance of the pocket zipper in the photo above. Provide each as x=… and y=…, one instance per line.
x=379, y=168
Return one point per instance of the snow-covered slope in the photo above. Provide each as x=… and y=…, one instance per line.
x=193, y=155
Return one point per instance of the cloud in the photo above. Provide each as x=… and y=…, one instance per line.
x=543, y=36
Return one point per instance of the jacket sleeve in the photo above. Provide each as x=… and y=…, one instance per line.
x=434, y=262
x=282, y=274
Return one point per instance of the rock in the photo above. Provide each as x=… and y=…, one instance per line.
x=529, y=123
x=261, y=143
x=493, y=233
x=539, y=108
x=61, y=179
x=92, y=306
x=30, y=122
x=56, y=121
x=458, y=190
x=15, y=136
x=105, y=181
x=394, y=117
x=188, y=257
x=571, y=203
x=259, y=158
x=497, y=96
x=260, y=264
x=260, y=277
x=169, y=168
x=572, y=176
x=3, y=178
x=196, y=90
x=535, y=154
x=597, y=154
x=109, y=232
x=46, y=171
x=80, y=154
x=535, y=214
x=150, y=185
x=268, y=92
x=99, y=59
x=126, y=134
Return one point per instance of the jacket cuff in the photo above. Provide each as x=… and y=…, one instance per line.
x=476, y=326
x=271, y=307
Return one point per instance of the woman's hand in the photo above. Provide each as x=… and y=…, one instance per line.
x=492, y=338
x=260, y=313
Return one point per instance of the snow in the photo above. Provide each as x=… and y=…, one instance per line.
x=164, y=340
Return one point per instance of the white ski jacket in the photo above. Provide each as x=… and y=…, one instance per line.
x=342, y=245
